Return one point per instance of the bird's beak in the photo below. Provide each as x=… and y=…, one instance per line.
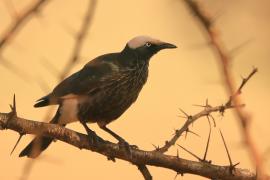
x=167, y=46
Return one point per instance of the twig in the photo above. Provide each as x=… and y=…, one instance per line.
x=191, y=120
x=21, y=19
x=109, y=149
x=222, y=55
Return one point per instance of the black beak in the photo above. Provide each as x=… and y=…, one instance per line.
x=167, y=46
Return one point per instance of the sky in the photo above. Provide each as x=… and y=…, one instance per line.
x=178, y=78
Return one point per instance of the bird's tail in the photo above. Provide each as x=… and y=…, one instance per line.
x=36, y=146
x=44, y=101
x=39, y=143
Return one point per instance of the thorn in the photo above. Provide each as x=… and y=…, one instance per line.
x=181, y=116
x=110, y=158
x=156, y=147
x=19, y=139
x=177, y=174
x=213, y=119
x=176, y=132
x=232, y=166
x=187, y=131
x=222, y=109
x=204, y=106
x=13, y=112
x=177, y=154
x=207, y=145
x=14, y=104
x=184, y=112
x=198, y=105
x=194, y=155
x=193, y=133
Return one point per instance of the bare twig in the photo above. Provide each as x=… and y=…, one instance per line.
x=205, y=19
x=191, y=120
x=109, y=149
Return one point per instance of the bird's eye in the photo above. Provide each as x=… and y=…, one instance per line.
x=148, y=44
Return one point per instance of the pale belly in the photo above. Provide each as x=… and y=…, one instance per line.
x=69, y=111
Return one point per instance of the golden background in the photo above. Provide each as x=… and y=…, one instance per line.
x=178, y=78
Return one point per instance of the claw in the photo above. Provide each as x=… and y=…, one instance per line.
x=93, y=138
x=126, y=147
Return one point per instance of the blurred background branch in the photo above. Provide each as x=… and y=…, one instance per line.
x=222, y=55
x=20, y=19
x=75, y=54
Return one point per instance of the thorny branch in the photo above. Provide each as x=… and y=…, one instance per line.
x=191, y=119
x=216, y=43
x=206, y=112
x=112, y=150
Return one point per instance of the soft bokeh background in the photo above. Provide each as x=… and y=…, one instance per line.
x=178, y=78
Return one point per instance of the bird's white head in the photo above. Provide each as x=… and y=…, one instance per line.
x=146, y=47
x=139, y=41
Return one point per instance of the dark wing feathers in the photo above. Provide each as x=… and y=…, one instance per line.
x=83, y=82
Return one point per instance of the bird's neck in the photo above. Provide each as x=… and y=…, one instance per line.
x=130, y=57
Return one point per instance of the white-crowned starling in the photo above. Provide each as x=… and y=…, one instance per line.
x=102, y=90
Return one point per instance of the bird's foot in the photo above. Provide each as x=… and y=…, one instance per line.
x=126, y=147
x=93, y=138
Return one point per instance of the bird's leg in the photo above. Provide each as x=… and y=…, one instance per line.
x=91, y=134
x=122, y=142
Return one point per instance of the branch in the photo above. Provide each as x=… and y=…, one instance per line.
x=191, y=119
x=145, y=172
x=112, y=150
x=23, y=17
x=216, y=43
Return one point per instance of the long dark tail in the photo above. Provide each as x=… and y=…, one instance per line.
x=39, y=143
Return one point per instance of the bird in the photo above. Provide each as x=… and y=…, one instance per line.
x=101, y=91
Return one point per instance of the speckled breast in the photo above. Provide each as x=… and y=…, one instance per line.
x=115, y=96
